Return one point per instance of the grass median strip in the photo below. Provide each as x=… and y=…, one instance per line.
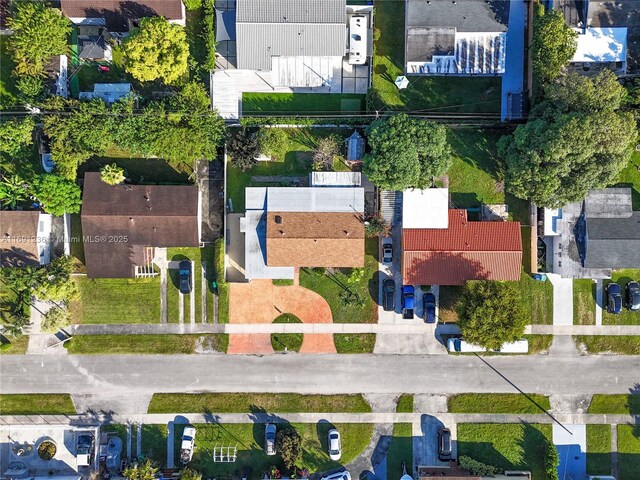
x=617, y=404
x=405, y=403
x=599, y=449
x=623, y=344
x=14, y=346
x=256, y=402
x=498, y=403
x=147, y=344
x=354, y=342
x=37, y=404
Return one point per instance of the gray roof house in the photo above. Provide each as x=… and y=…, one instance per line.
x=597, y=236
x=463, y=37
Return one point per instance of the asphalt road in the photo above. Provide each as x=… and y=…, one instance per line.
x=442, y=374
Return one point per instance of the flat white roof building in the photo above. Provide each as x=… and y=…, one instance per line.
x=425, y=208
x=601, y=45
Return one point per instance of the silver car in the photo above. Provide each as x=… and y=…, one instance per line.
x=270, y=439
x=335, y=448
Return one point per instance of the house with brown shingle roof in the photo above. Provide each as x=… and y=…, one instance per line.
x=459, y=249
x=123, y=224
x=24, y=238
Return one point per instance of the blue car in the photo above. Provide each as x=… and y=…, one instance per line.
x=184, y=268
x=429, y=307
x=614, y=298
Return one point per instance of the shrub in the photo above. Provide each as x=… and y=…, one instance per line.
x=192, y=4
x=55, y=319
x=377, y=227
x=551, y=462
x=273, y=142
x=47, y=450
x=324, y=154
x=31, y=88
x=476, y=467
x=210, y=33
x=243, y=149
x=289, y=444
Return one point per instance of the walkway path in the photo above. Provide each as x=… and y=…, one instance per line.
x=513, y=77
x=614, y=448
x=562, y=299
x=583, y=330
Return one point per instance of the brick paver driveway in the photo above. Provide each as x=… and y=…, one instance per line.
x=259, y=301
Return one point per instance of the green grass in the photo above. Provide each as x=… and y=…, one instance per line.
x=88, y=75
x=308, y=103
x=627, y=317
x=117, y=300
x=33, y=404
x=154, y=443
x=584, y=302
x=405, y=403
x=147, y=171
x=8, y=91
x=223, y=287
x=628, y=452
x=539, y=343
x=538, y=299
x=498, y=403
x=282, y=282
x=618, y=404
x=147, y=344
x=119, y=429
x=249, y=439
x=354, y=342
x=400, y=451
x=448, y=299
x=623, y=344
x=506, y=446
x=367, y=288
x=250, y=402
x=289, y=341
x=630, y=177
x=197, y=45
x=77, y=246
x=13, y=346
x=599, y=449
x=450, y=94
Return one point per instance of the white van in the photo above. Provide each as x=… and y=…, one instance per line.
x=458, y=345
x=519, y=346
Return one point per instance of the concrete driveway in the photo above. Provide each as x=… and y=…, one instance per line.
x=572, y=450
x=425, y=440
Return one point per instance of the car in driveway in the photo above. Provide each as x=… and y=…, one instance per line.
x=335, y=446
x=614, y=298
x=407, y=301
x=429, y=307
x=270, y=439
x=184, y=268
x=339, y=475
x=444, y=444
x=632, y=295
x=387, y=253
x=84, y=449
x=389, y=295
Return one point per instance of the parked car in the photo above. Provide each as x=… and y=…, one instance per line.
x=187, y=444
x=340, y=475
x=614, y=298
x=407, y=301
x=632, y=293
x=429, y=307
x=270, y=439
x=389, y=295
x=456, y=344
x=444, y=444
x=184, y=268
x=387, y=253
x=335, y=447
x=84, y=449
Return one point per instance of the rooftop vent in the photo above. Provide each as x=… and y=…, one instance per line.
x=278, y=219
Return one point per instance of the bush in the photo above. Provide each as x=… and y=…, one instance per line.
x=289, y=444
x=376, y=227
x=551, y=462
x=243, y=149
x=476, y=467
x=47, y=450
x=210, y=33
x=55, y=319
x=274, y=142
x=192, y=4
x=31, y=88
x=325, y=153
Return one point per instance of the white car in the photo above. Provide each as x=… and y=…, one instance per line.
x=387, y=253
x=335, y=448
x=341, y=475
x=270, y=439
x=187, y=444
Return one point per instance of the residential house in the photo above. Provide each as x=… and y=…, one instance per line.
x=122, y=225
x=290, y=227
x=589, y=239
x=441, y=246
x=608, y=34
x=25, y=238
x=461, y=37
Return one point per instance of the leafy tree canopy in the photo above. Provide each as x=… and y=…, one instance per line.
x=112, y=174
x=274, y=142
x=158, y=50
x=141, y=471
x=243, y=149
x=406, y=152
x=289, y=445
x=491, y=313
x=554, y=44
x=15, y=135
x=57, y=194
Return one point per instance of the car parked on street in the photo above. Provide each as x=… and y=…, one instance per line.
x=389, y=295
x=429, y=307
x=614, y=298
x=335, y=447
x=270, y=439
x=184, y=267
x=632, y=295
x=444, y=444
x=387, y=253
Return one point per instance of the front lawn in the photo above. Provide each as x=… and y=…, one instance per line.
x=599, y=449
x=8, y=91
x=626, y=317
x=307, y=103
x=256, y=402
x=426, y=94
x=147, y=344
x=584, y=302
x=330, y=285
x=506, y=446
x=354, y=342
x=37, y=404
x=622, y=344
x=498, y=403
x=14, y=346
x=618, y=404
x=400, y=451
x=628, y=452
x=154, y=442
x=117, y=300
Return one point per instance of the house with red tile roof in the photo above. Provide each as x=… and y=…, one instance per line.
x=459, y=249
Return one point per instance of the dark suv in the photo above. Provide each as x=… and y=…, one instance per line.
x=185, y=277
x=614, y=298
x=389, y=295
x=444, y=444
x=632, y=293
x=429, y=307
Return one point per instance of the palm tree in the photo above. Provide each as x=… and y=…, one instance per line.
x=13, y=189
x=16, y=327
x=112, y=174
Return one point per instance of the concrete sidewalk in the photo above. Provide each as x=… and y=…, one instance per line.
x=583, y=330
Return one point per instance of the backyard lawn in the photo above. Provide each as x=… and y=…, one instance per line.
x=147, y=344
x=331, y=286
x=599, y=449
x=117, y=300
x=630, y=177
x=400, y=451
x=307, y=103
x=628, y=452
x=617, y=404
x=498, y=403
x=626, y=317
x=506, y=446
x=8, y=91
x=256, y=402
x=154, y=443
x=426, y=94
x=623, y=344
x=584, y=302
x=42, y=404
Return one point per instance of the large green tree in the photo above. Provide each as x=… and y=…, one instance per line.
x=158, y=50
x=38, y=33
x=57, y=194
x=553, y=45
x=15, y=135
x=575, y=140
x=491, y=313
x=406, y=152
